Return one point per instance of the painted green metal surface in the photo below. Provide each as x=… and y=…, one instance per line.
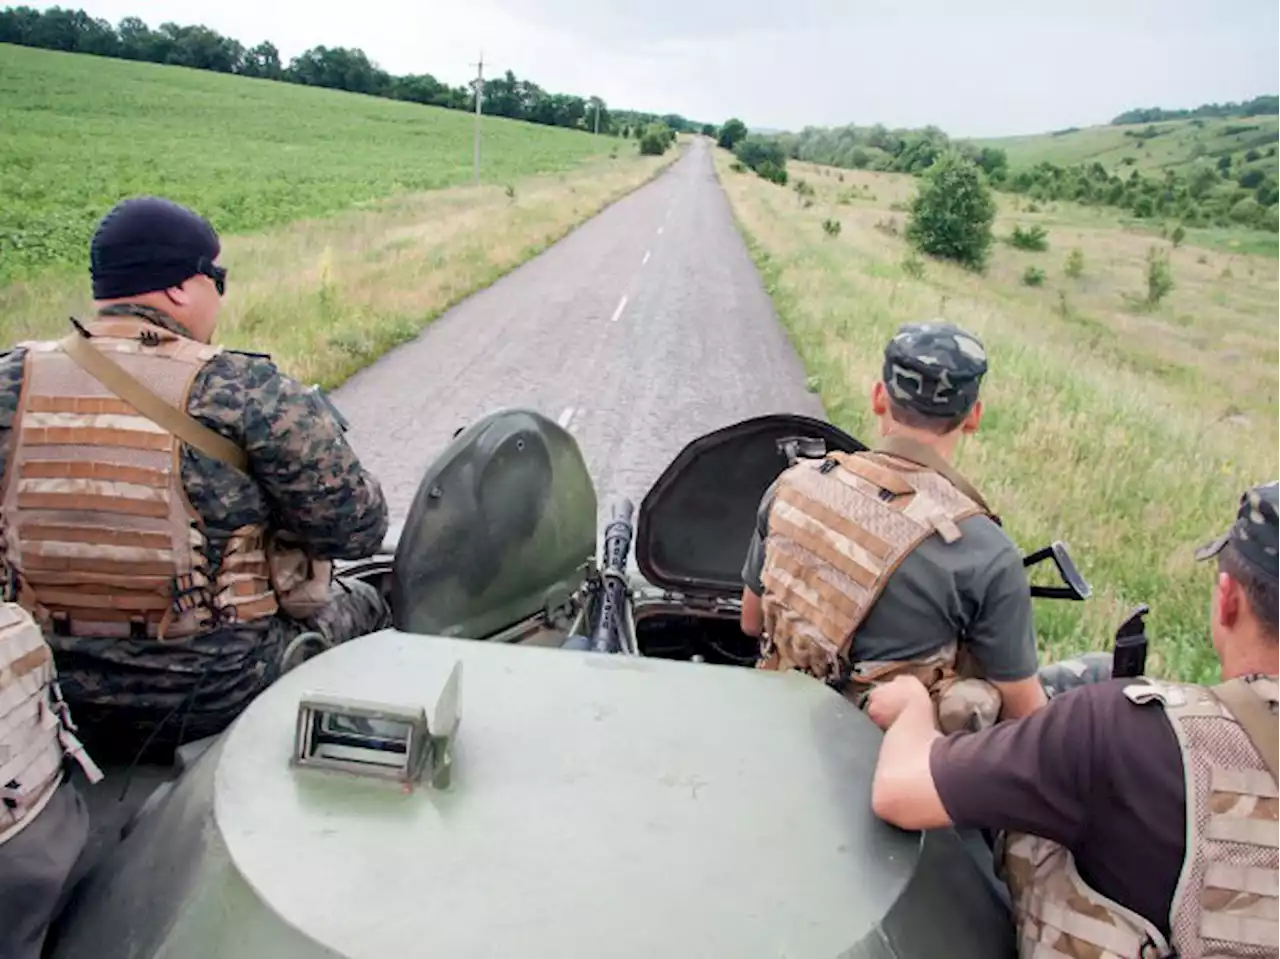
x=599, y=806
x=502, y=527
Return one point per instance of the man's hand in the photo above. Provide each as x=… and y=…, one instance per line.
x=886, y=702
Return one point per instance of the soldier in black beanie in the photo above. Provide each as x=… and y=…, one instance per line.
x=154, y=253
x=172, y=559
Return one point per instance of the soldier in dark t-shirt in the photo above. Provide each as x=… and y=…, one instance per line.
x=974, y=590
x=1093, y=771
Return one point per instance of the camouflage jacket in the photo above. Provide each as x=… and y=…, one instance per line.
x=307, y=481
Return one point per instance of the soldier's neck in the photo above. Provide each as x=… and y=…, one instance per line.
x=1248, y=656
x=944, y=446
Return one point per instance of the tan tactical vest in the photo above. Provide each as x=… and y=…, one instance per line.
x=1224, y=906
x=36, y=731
x=838, y=528
x=98, y=529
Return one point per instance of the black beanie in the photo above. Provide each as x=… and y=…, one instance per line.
x=146, y=244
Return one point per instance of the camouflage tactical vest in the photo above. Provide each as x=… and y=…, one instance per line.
x=99, y=536
x=1224, y=906
x=838, y=529
x=36, y=732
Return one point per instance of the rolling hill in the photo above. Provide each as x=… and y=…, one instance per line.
x=1150, y=147
x=81, y=131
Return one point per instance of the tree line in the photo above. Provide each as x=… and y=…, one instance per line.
x=1235, y=184
x=1257, y=107
x=338, y=68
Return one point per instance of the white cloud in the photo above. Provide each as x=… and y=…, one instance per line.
x=984, y=67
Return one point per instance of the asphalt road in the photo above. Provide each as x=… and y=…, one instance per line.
x=645, y=328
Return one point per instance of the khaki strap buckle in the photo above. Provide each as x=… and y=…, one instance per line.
x=177, y=422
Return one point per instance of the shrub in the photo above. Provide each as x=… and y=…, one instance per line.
x=1075, y=263
x=888, y=227
x=831, y=226
x=952, y=213
x=731, y=133
x=653, y=144
x=1033, y=276
x=773, y=173
x=1034, y=238
x=737, y=166
x=1178, y=235
x=1159, y=276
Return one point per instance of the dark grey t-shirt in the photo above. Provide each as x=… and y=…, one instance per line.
x=975, y=588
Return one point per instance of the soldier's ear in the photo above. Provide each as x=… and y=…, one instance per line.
x=179, y=295
x=973, y=418
x=1227, y=600
x=879, y=399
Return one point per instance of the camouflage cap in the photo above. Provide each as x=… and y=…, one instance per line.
x=934, y=368
x=1256, y=533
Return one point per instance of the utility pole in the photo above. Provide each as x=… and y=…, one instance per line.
x=479, y=98
x=597, y=99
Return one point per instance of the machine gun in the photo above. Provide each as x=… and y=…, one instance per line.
x=613, y=575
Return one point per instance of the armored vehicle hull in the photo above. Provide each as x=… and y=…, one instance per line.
x=658, y=801
x=597, y=806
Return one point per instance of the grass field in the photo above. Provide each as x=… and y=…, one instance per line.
x=80, y=132
x=1178, y=145
x=340, y=228
x=1128, y=433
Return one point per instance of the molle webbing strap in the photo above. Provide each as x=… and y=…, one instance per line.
x=1254, y=718
x=181, y=424
x=927, y=457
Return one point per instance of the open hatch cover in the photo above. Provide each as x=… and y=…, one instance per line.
x=694, y=525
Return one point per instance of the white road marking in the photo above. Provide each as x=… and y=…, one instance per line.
x=646, y=258
x=618, y=312
x=659, y=231
x=566, y=417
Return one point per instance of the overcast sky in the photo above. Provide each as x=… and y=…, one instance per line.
x=972, y=67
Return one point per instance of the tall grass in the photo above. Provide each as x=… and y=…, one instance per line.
x=1127, y=430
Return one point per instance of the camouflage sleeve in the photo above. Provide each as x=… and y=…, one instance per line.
x=317, y=488
x=753, y=567
x=10, y=390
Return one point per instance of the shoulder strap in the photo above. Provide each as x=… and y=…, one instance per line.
x=918, y=452
x=181, y=424
x=1254, y=718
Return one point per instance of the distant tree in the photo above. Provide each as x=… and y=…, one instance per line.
x=708, y=130
x=952, y=214
x=732, y=131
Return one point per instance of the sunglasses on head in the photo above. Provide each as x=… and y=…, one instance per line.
x=216, y=273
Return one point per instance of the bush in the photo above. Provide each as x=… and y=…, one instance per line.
x=732, y=132
x=803, y=189
x=888, y=227
x=653, y=144
x=1178, y=235
x=773, y=173
x=1159, y=276
x=1034, y=238
x=831, y=226
x=737, y=166
x=913, y=266
x=952, y=213
x=1075, y=263
x=1033, y=276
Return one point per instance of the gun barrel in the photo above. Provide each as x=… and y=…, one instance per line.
x=617, y=544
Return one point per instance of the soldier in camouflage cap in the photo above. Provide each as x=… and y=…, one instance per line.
x=889, y=562
x=1138, y=815
x=171, y=574
x=934, y=369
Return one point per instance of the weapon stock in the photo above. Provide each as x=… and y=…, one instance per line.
x=613, y=572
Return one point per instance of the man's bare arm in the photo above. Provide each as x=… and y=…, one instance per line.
x=902, y=791
x=752, y=618
x=1021, y=697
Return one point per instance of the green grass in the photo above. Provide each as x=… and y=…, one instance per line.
x=1179, y=145
x=1127, y=431
x=81, y=132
